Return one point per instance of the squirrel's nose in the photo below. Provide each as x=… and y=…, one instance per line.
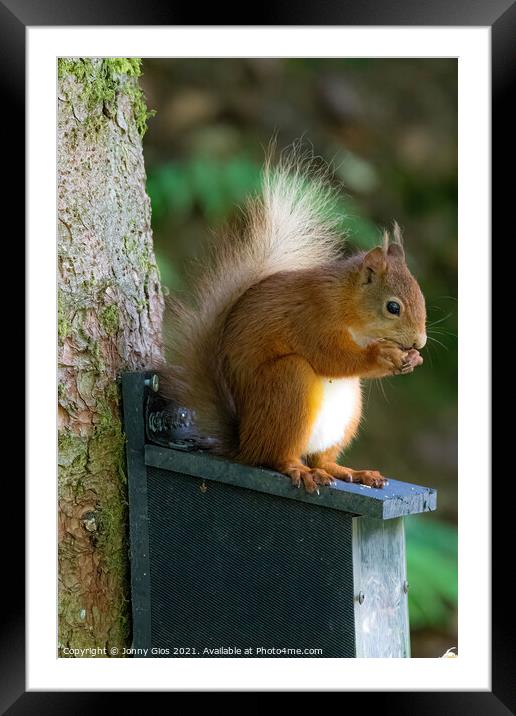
x=421, y=341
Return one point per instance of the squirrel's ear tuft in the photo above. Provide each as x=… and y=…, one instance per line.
x=396, y=232
x=374, y=262
x=396, y=251
x=396, y=248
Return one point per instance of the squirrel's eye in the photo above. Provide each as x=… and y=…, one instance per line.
x=393, y=307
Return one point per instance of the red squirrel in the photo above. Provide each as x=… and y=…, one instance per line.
x=280, y=330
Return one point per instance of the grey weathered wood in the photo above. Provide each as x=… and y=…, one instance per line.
x=394, y=500
x=379, y=575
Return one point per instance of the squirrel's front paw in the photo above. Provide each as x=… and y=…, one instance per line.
x=390, y=358
x=412, y=360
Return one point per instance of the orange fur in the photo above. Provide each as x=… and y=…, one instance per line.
x=252, y=357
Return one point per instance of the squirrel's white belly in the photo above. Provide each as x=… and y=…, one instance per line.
x=338, y=407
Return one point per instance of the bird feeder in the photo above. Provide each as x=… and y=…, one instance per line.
x=231, y=560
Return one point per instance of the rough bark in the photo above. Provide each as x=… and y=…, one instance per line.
x=109, y=320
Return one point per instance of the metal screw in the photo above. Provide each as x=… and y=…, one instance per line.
x=405, y=586
x=361, y=597
x=152, y=383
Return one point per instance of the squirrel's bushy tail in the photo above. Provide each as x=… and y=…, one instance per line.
x=289, y=226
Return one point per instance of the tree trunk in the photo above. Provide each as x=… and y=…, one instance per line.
x=109, y=320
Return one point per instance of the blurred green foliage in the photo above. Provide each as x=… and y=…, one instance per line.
x=215, y=188
x=432, y=571
x=388, y=128
x=212, y=186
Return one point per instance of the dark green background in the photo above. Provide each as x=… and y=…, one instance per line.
x=389, y=128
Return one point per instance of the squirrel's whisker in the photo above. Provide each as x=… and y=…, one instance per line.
x=440, y=320
x=441, y=332
x=431, y=338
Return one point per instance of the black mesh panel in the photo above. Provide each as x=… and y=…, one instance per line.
x=235, y=568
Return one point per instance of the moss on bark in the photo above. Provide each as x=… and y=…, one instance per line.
x=102, y=80
x=109, y=320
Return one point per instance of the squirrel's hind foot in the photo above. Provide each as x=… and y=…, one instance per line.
x=310, y=478
x=371, y=478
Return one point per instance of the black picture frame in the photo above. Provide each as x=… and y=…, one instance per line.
x=500, y=15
